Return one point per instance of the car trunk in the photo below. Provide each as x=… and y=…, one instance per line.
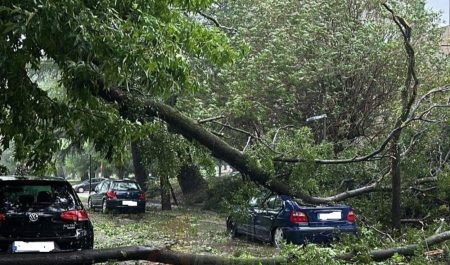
x=326, y=216
x=19, y=225
x=127, y=195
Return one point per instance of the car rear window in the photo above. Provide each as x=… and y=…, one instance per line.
x=124, y=186
x=20, y=197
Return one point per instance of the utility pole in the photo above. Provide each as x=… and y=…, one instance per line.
x=90, y=174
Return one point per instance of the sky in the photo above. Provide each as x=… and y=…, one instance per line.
x=440, y=5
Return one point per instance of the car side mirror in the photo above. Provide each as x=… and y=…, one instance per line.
x=253, y=202
x=96, y=189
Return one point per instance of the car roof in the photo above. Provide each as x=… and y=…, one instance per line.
x=120, y=180
x=31, y=179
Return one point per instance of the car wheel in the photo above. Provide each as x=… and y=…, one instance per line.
x=90, y=206
x=232, y=228
x=234, y=233
x=80, y=190
x=278, y=237
x=141, y=210
x=104, y=207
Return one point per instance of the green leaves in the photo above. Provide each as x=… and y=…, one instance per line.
x=144, y=46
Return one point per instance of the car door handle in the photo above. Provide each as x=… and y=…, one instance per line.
x=271, y=218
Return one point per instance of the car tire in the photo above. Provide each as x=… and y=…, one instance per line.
x=105, y=208
x=80, y=190
x=141, y=210
x=232, y=228
x=278, y=237
x=89, y=204
x=234, y=233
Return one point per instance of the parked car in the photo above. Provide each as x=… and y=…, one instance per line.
x=117, y=194
x=280, y=219
x=42, y=215
x=84, y=185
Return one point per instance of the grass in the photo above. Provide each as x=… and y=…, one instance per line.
x=185, y=230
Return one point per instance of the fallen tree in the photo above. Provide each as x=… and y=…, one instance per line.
x=130, y=253
x=192, y=130
x=408, y=250
x=177, y=258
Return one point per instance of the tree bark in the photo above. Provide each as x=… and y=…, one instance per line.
x=171, y=257
x=396, y=187
x=192, y=183
x=408, y=95
x=129, y=253
x=165, y=193
x=139, y=169
x=408, y=250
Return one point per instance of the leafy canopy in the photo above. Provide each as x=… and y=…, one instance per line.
x=145, y=46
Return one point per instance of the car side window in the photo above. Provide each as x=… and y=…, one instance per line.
x=268, y=204
x=273, y=203
x=278, y=203
x=104, y=187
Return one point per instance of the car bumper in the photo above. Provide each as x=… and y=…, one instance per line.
x=300, y=235
x=118, y=204
x=62, y=244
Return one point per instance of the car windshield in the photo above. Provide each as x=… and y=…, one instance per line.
x=20, y=197
x=125, y=186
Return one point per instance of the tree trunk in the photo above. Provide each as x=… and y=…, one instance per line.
x=121, y=172
x=396, y=186
x=130, y=253
x=165, y=193
x=192, y=183
x=172, y=257
x=139, y=170
x=191, y=130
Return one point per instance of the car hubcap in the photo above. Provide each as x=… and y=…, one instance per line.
x=80, y=190
x=278, y=237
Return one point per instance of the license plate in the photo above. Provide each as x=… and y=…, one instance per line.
x=22, y=246
x=336, y=215
x=129, y=203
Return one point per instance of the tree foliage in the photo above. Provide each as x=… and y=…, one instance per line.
x=145, y=46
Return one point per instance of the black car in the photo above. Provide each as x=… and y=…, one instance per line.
x=84, y=185
x=42, y=215
x=118, y=194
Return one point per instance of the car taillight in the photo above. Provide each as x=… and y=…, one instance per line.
x=298, y=218
x=111, y=195
x=351, y=217
x=75, y=215
x=141, y=196
x=2, y=217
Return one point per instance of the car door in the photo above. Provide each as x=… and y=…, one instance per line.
x=97, y=197
x=265, y=217
x=246, y=218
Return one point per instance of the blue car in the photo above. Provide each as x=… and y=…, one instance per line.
x=280, y=219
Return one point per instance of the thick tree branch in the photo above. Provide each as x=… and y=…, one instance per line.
x=356, y=159
x=171, y=257
x=210, y=119
x=213, y=20
x=427, y=95
x=408, y=250
x=425, y=180
x=129, y=253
